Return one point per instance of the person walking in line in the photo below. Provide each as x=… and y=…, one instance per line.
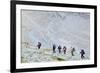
x=82, y=53
x=72, y=51
x=59, y=49
x=39, y=45
x=64, y=49
x=54, y=48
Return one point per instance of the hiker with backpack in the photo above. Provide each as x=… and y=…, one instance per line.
x=59, y=49
x=64, y=49
x=82, y=53
x=39, y=45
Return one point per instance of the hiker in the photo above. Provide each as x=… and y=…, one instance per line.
x=82, y=53
x=72, y=51
x=64, y=49
x=54, y=48
x=59, y=48
x=39, y=45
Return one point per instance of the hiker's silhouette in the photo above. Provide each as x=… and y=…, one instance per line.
x=82, y=53
x=59, y=49
x=54, y=48
x=39, y=45
x=64, y=49
x=72, y=51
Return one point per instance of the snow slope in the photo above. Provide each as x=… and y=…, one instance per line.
x=70, y=29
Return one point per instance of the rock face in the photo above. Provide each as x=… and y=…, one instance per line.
x=70, y=29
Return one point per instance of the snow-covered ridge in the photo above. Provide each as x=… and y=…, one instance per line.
x=70, y=29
